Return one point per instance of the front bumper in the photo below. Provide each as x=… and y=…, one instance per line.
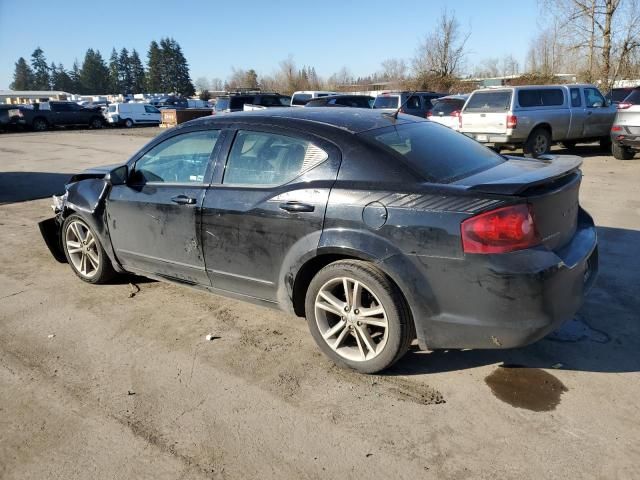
x=508, y=300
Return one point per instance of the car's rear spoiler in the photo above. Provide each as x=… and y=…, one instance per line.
x=533, y=173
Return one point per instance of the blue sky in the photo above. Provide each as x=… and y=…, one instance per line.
x=216, y=36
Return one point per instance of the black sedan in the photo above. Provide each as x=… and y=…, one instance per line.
x=378, y=228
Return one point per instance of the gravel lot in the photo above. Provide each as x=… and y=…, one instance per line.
x=99, y=382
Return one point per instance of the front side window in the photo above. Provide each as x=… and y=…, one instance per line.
x=593, y=98
x=150, y=109
x=300, y=98
x=180, y=159
x=260, y=158
x=413, y=103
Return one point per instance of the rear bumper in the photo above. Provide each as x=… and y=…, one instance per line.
x=625, y=138
x=508, y=300
x=495, y=138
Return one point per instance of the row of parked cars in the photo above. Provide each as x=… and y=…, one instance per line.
x=529, y=117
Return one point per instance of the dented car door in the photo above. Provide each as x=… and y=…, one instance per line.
x=154, y=218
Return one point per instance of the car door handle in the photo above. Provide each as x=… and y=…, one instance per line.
x=183, y=200
x=294, y=206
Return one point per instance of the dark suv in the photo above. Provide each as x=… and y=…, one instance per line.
x=413, y=103
x=236, y=103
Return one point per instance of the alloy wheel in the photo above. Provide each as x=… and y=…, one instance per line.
x=82, y=249
x=351, y=319
x=540, y=145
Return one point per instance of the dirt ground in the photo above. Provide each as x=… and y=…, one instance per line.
x=111, y=382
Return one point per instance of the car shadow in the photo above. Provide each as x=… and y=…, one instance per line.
x=604, y=336
x=24, y=186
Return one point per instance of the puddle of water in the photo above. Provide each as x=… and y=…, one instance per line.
x=528, y=388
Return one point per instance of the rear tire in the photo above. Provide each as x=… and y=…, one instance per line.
x=367, y=330
x=83, y=251
x=128, y=123
x=538, y=143
x=621, y=152
x=39, y=124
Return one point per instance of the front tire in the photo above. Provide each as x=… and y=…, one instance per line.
x=40, y=124
x=621, y=152
x=83, y=250
x=538, y=143
x=128, y=123
x=96, y=123
x=358, y=317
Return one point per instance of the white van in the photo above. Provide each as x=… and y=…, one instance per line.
x=298, y=99
x=130, y=114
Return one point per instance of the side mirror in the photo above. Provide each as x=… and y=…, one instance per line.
x=117, y=176
x=597, y=105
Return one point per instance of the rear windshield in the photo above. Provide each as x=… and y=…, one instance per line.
x=222, y=104
x=436, y=152
x=634, y=97
x=300, y=98
x=489, y=102
x=386, y=101
x=619, y=94
x=447, y=107
x=237, y=103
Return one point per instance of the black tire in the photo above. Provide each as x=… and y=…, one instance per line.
x=605, y=144
x=400, y=330
x=538, y=143
x=569, y=145
x=621, y=152
x=128, y=123
x=104, y=271
x=39, y=124
x=96, y=122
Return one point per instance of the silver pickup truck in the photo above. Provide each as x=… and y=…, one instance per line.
x=535, y=117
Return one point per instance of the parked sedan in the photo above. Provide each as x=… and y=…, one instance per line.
x=378, y=228
x=448, y=110
x=354, y=101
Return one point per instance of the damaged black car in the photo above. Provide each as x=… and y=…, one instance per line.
x=379, y=228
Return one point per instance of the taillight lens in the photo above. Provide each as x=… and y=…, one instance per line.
x=512, y=121
x=455, y=113
x=616, y=128
x=429, y=114
x=500, y=231
x=624, y=105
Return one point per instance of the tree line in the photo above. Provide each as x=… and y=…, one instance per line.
x=166, y=71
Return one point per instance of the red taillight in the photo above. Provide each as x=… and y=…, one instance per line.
x=429, y=114
x=616, y=128
x=455, y=113
x=499, y=231
x=512, y=121
x=624, y=105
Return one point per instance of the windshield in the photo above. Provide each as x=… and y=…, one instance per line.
x=386, y=101
x=112, y=108
x=498, y=101
x=300, y=98
x=436, y=152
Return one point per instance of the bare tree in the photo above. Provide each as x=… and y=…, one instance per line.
x=394, y=69
x=442, y=52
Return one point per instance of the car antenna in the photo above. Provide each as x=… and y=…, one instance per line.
x=395, y=114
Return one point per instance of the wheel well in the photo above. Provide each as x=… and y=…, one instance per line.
x=39, y=117
x=309, y=270
x=542, y=126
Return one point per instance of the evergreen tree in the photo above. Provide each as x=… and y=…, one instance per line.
x=175, y=69
x=62, y=81
x=125, y=71
x=53, y=76
x=251, y=78
x=23, y=76
x=137, y=73
x=154, y=68
x=41, y=77
x=74, y=76
x=114, y=72
x=94, y=74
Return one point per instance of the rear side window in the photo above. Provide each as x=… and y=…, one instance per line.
x=413, y=103
x=633, y=97
x=541, y=98
x=300, y=98
x=436, y=152
x=619, y=94
x=269, y=159
x=386, y=101
x=237, y=103
x=447, y=107
x=498, y=101
x=180, y=159
x=576, y=101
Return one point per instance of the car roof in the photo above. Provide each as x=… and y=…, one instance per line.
x=454, y=97
x=353, y=120
x=329, y=97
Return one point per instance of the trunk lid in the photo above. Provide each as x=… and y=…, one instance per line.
x=486, y=112
x=550, y=185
